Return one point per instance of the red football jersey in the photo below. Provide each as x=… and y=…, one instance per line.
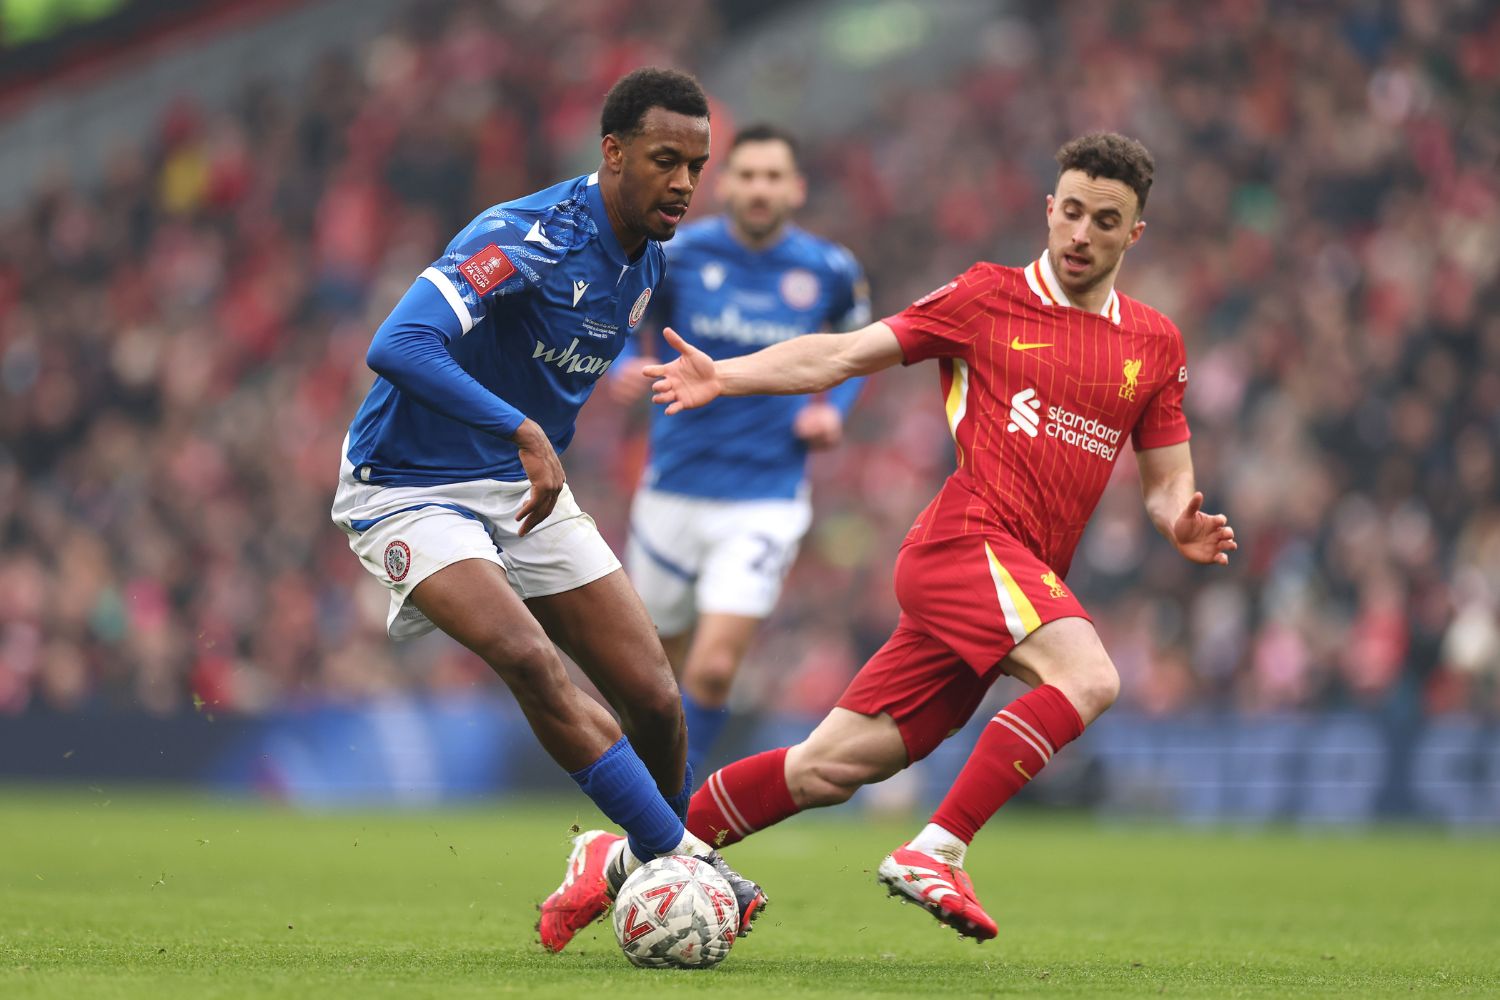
x=1041, y=396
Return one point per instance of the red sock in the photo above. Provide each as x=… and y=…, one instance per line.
x=1016, y=744
x=746, y=796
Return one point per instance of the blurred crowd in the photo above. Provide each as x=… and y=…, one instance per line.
x=181, y=348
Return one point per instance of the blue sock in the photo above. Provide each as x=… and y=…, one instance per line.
x=679, y=802
x=704, y=725
x=624, y=791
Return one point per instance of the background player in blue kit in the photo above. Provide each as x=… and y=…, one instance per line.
x=724, y=501
x=452, y=493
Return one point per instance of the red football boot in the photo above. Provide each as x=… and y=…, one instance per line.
x=584, y=895
x=942, y=890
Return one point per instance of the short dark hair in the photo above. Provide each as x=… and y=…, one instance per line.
x=765, y=132
x=1112, y=156
x=638, y=91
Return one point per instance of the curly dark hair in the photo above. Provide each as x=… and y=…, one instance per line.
x=1112, y=156
x=638, y=91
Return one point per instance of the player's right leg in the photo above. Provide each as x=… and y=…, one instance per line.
x=749, y=545
x=906, y=700
x=473, y=602
x=993, y=600
x=717, y=648
x=575, y=590
x=664, y=554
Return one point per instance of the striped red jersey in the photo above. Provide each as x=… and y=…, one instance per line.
x=1041, y=396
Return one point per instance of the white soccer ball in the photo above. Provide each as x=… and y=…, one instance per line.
x=676, y=912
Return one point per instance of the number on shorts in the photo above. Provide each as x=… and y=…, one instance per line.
x=770, y=560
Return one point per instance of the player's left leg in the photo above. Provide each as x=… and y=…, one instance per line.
x=1073, y=682
x=604, y=627
x=993, y=602
x=574, y=587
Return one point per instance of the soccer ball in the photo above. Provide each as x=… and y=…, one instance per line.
x=676, y=912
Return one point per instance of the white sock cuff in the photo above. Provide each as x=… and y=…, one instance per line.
x=940, y=843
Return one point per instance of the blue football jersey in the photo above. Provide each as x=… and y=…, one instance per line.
x=529, y=305
x=726, y=300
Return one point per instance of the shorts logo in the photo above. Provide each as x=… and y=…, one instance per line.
x=1053, y=584
x=799, y=288
x=487, y=269
x=397, y=561
x=639, y=309
x=1132, y=372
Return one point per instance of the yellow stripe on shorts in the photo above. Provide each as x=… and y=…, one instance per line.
x=1020, y=617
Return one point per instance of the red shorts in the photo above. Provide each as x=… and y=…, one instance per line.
x=968, y=597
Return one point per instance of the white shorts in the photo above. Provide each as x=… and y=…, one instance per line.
x=404, y=534
x=689, y=555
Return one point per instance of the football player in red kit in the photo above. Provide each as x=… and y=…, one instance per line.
x=1045, y=371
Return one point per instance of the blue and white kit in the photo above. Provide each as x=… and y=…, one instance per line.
x=724, y=502
x=522, y=314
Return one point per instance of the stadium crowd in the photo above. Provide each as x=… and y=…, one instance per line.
x=181, y=349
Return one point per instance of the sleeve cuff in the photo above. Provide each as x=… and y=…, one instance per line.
x=1163, y=438
x=906, y=336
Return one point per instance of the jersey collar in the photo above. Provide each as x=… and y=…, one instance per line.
x=1043, y=281
x=594, y=195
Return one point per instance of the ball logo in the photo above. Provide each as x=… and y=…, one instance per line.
x=635, y=929
x=639, y=309
x=799, y=288
x=397, y=561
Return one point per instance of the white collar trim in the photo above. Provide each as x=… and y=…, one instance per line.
x=1044, y=283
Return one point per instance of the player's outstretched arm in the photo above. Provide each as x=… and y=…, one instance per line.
x=805, y=364
x=1176, y=507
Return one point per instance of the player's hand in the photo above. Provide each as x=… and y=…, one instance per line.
x=543, y=470
x=1203, y=538
x=688, y=382
x=819, y=425
x=626, y=383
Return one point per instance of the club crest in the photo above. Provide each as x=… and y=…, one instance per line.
x=639, y=309
x=799, y=288
x=397, y=561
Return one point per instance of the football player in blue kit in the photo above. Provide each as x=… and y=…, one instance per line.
x=724, y=501
x=452, y=494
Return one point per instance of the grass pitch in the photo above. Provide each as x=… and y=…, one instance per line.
x=120, y=894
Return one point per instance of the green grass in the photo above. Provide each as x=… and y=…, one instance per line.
x=119, y=894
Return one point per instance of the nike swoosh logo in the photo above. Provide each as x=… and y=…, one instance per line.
x=1022, y=770
x=1016, y=345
